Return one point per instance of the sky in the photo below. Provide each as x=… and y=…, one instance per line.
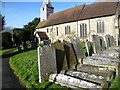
x=18, y=14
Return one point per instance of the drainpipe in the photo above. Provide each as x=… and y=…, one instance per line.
x=77, y=30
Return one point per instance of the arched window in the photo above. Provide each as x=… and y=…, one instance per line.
x=100, y=27
x=83, y=30
x=57, y=31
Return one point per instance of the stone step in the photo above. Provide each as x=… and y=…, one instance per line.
x=72, y=81
x=95, y=78
x=102, y=63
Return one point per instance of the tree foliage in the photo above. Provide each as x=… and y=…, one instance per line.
x=2, y=22
x=30, y=28
x=7, y=40
x=26, y=33
x=18, y=35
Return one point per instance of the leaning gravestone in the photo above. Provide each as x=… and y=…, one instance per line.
x=89, y=48
x=70, y=54
x=77, y=49
x=60, y=56
x=109, y=41
x=46, y=62
x=97, y=46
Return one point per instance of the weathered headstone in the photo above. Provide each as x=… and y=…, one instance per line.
x=109, y=41
x=79, y=53
x=46, y=62
x=100, y=78
x=25, y=45
x=102, y=43
x=94, y=69
x=70, y=54
x=102, y=63
x=97, y=46
x=47, y=42
x=72, y=81
x=19, y=48
x=60, y=56
x=89, y=48
x=114, y=53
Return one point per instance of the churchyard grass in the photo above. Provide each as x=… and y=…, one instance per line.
x=116, y=83
x=5, y=50
x=84, y=47
x=25, y=66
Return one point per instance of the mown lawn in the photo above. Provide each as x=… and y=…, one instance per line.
x=5, y=50
x=25, y=66
x=116, y=83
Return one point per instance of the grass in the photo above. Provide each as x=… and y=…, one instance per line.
x=116, y=83
x=5, y=50
x=84, y=48
x=25, y=66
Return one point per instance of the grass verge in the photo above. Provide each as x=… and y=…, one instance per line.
x=5, y=50
x=25, y=66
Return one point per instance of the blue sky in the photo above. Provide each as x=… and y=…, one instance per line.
x=18, y=14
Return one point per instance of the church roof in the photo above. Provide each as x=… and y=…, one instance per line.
x=81, y=12
x=64, y=16
x=98, y=9
x=41, y=24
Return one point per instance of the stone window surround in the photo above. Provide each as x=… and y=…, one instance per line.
x=83, y=30
x=67, y=29
x=100, y=26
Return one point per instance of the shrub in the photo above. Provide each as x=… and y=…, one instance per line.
x=7, y=40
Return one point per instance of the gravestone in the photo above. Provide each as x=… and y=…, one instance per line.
x=25, y=46
x=97, y=46
x=102, y=62
x=79, y=53
x=102, y=43
x=109, y=41
x=46, y=62
x=60, y=56
x=47, y=42
x=89, y=48
x=100, y=78
x=70, y=54
x=72, y=81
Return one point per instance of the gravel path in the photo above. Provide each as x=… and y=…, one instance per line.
x=9, y=80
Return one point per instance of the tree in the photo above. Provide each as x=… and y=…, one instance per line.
x=7, y=40
x=18, y=35
x=2, y=22
x=30, y=28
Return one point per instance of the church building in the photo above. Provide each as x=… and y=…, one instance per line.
x=83, y=21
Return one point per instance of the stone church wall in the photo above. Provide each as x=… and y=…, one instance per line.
x=110, y=27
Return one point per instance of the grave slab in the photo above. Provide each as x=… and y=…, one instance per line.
x=72, y=81
x=46, y=62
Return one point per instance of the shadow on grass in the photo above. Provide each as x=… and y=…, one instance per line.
x=11, y=53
